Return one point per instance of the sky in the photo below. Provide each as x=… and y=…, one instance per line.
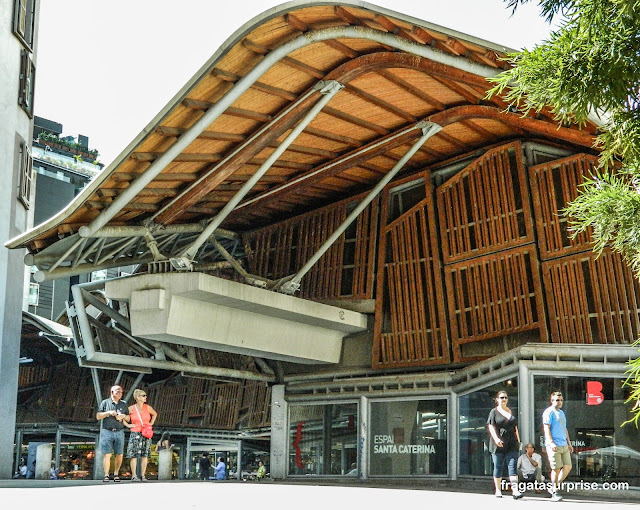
x=105, y=69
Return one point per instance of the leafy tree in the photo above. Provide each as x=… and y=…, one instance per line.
x=589, y=68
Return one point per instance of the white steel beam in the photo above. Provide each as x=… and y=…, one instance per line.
x=328, y=91
x=428, y=130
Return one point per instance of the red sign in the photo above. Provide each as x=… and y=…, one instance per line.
x=594, y=393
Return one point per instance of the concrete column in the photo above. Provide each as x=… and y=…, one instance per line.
x=44, y=454
x=363, y=442
x=453, y=426
x=279, y=433
x=165, y=461
x=18, y=449
x=526, y=427
x=98, y=470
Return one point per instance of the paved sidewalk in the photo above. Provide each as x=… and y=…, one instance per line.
x=192, y=495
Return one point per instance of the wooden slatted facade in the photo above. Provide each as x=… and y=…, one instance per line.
x=481, y=209
x=467, y=269
x=411, y=327
x=345, y=270
x=592, y=299
x=67, y=394
x=494, y=296
x=553, y=186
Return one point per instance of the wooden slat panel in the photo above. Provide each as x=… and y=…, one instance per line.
x=481, y=209
x=494, y=295
x=410, y=323
x=33, y=375
x=281, y=249
x=592, y=299
x=553, y=186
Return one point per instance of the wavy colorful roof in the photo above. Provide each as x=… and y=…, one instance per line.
x=353, y=82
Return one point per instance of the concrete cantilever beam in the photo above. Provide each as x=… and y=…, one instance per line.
x=89, y=356
x=204, y=311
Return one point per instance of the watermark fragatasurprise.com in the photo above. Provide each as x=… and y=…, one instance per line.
x=570, y=486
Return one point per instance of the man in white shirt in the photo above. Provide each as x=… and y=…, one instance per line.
x=530, y=465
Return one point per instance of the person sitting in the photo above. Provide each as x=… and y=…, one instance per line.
x=530, y=465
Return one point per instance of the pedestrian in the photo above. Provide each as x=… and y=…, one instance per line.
x=221, y=469
x=205, y=464
x=111, y=413
x=140, y=414
x=22, y=469
x=557, y=443
x=504, y=444
x=530, y=466
x=53, y=472
x=164, y=443
x=262, y=471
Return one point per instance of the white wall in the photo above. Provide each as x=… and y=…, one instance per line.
x=14, y=219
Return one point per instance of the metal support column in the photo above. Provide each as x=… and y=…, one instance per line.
x=526, y=426
x=279, y=433
x=363, y=441
x=428, y=130
x=18, y=451
x=453, y=426
x=96, y=385
x=57, y=450
x=129, y=394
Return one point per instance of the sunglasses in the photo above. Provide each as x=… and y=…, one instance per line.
x=503, y=398
x=143, y=395
x=558, y=400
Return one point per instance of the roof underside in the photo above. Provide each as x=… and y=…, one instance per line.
x=395, y=71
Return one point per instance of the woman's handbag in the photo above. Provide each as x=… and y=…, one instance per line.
x=147, y=431
x=147, y=428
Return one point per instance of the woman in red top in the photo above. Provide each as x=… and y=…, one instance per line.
x=139, y=446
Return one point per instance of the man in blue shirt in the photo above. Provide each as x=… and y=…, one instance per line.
x=557, y=443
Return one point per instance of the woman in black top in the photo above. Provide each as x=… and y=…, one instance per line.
x=504, y=443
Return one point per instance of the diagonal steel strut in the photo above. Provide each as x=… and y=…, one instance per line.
x=328, y=90
x=293, y=284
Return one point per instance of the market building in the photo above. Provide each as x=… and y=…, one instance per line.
x=341, y=239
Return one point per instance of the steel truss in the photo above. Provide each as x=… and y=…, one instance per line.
x=102, y=339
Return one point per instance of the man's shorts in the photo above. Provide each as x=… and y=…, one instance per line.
x=561, y=457
x=112, y=441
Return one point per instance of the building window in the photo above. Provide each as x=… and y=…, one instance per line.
x=27, y=83
x=26, y=175
x=34, y=294
x=603, y=449
x=323, y=439
x=474, y=408
x=408, y=438
x=24, y=18
x=99, y=275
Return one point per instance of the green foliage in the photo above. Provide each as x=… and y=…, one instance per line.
x=590, y=66
x=633, y=382
x=51, y=138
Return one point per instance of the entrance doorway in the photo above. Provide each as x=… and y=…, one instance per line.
x=230, y=451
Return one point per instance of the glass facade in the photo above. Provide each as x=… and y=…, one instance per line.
x=474, y=408
x=408, y=437
x=595, y=408
x=323, y=439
